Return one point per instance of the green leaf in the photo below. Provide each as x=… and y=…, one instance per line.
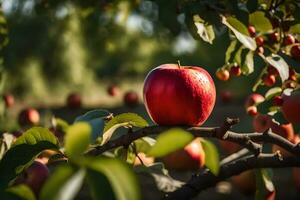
x=77, y=139
x=204, y=30
x=122, y=180
x=125, y=119
x=5, y=143
x=126, y=154
x=24, y=151
x=170, y=141
x=144, y=144
x=212, y=159
x=240, y=31
x=230, y=50
x=264, y=184
x=295, y=29
x=279, y=63
x=238, y=55
x=60, y=124
x=260, y=21
x=63, y=184
x=22, y=191
x=96, y=119
x=273, y=92
x=248, y=66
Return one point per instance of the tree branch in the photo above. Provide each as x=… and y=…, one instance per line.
x=206, y=179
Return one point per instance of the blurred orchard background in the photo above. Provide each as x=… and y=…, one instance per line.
x=58, y=47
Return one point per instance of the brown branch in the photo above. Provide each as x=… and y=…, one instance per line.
x=206, y=179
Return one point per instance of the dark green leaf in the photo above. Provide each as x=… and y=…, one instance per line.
x=125, y=119
x=64, y=184
x=6, y=141
x=77, y=139
x=24, y=151
x=60, y=124
x=93, y=114
x=273, y=92
x=260, y=21
x=205, y=31
x=240, y=31
x=212, y=159
x=122, y=180
x=230, y=50
x=248, y=66
x=170, y=141
x=295, y=29
x=126, y=154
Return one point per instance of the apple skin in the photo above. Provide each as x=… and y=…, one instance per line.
x=253, y=99
x=29, y=117
x=290, y=107
x=74, y=100
x=34, y=176
x=146, y=160
x=289, y=39
x=113, y=90
x=226, y=96
x=9, y=100
x=179, y=95
x=191, y=157
x=245, y=182
x=295, y=52
x=259, y=41
x=223, y=74
x=251, y=31
x=229, y=147
x=131, y=98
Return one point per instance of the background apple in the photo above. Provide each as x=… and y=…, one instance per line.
x=113, y=90
x=229, y=147
x=245, y=182
x=226, y=96
x=253, y=99
x=131, y=98
x=296, y=176
x=34, y=176
x=179, y=95
x=9, y=100
x=29, y=117
x=74, y=100
x=290, y=107
x=191, y=157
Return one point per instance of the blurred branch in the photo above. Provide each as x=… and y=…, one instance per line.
x=206, y=179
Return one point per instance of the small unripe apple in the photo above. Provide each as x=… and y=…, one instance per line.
x=259, y=41
x=113, y=90
x=274, y=37
x=223, y=74
x=254, y=99
x=277, y=101
x=269, y=80
x=34, y=176
x=226, y=96
x=29, y=117
x=252, y=110
x=295, y=51
x=9, y=100
x=131, y=98
x=235, y=70
x=251, y=31
x=288, y=40
x=245, y=182
x=179, y=95
x=74, y=100
x=191, y=157
x=290, y=107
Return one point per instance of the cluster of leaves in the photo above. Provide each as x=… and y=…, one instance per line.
x=109, y=175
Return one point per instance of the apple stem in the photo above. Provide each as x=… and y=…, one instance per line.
x=178, y=63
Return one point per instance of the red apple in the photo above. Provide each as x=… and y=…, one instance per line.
x=252, y=110
x=226, y=96
x=288, y=40
x=29, y=117
x=191, y=157
x=253, y=99
x=245, y=181
x=252, y=31
x=277, y=101
x=235, y=70
x=259, y=41
x=113, y=90
x=295, y=51
x=131, y=98
x=274, y=37
x=272, y=71
x=261, y=123
x=9, y=100
x=74, y=100
x=34, y=176
x=179, y=95
x=290, y=107
x=223, y=74
x=284, y=130
x=269, y=80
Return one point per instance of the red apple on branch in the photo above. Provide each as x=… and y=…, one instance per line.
x=191, y=157
x=179, y=95
x=29, y=117
x=74, y=100
x=290, y=107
